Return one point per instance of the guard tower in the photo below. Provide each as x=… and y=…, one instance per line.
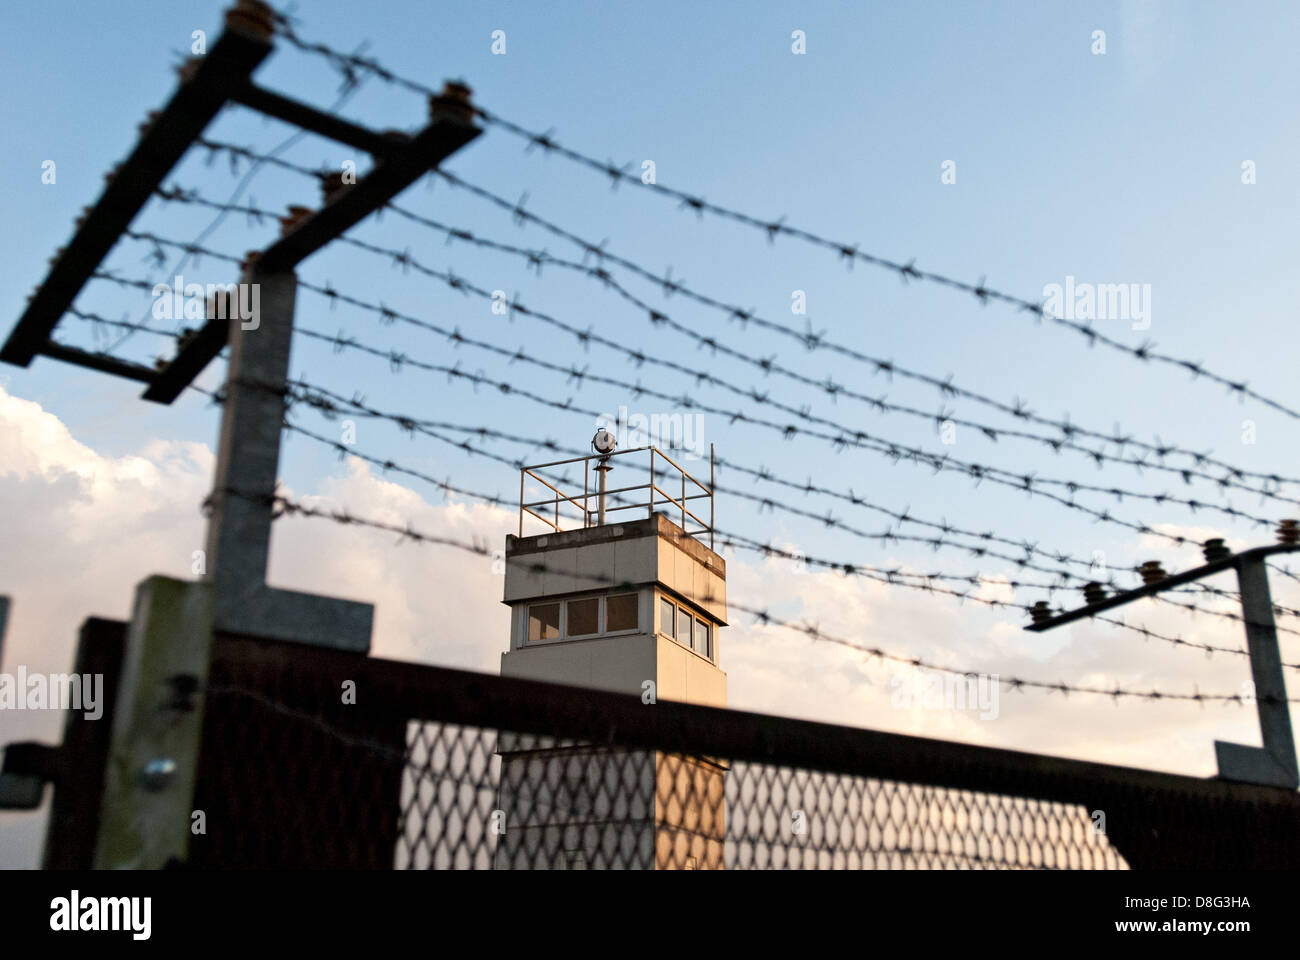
x=620, y=591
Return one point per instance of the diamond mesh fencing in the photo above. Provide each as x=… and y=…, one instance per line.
x=324, y=759
x=474, y=800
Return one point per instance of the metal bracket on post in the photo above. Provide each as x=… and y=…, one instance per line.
x=239, y=531
x=239, y=535
x=1275, y=762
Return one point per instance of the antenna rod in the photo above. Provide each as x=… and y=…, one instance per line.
x=604, y=443
x=602, y=468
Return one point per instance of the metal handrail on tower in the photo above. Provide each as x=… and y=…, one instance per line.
x=577, y=507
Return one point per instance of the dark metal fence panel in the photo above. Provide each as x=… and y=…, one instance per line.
x=437, y=768
x=83, y=754
x=291, y=774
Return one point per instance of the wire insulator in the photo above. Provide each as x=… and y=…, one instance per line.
x=1216, y=550
x=1151, y=572
x=253, y=17
x=295, y=216
x=332, y=185
x=452, y=102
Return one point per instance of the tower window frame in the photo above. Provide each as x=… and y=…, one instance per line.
x=533, y=610
x=636, y=613
x=596, y=617
x=549, y=621
x=670, y=625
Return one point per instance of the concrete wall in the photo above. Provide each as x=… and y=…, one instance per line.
x=641, y=552
x=686, y=676
x=620, y=663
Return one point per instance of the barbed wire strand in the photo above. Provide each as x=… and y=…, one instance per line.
x=893, y=576
x=826, y=520
x=332, y=404
x=1029, y=483
x=770, y=365
x=285, y=506
x=850, y=253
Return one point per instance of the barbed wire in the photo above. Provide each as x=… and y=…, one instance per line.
x=256, y=164
x=933, y=542
x=257, y=216
x=285, y=506
x=216, y=148
x=332, y=404
x=828, y=520
x=844, y=438
x=895, y=576
x=816, y=341
x=770, y=365
x=845, y=435
x=398, y=360
x=860, y=439
x=983, y=293
x=98, y=320
x=931, y=578
x=1019, y=409
x=1290, y=575
x=351, y=65
x=323, y=399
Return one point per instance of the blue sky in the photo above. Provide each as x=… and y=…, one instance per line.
x=1119, y=168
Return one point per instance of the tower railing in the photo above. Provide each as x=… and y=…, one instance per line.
x=670, y=487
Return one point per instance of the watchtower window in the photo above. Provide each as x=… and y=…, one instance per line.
x=684, y=628
x=702, y=645
x=621, y=612
x=692, y=632
x=666, y=618
x=584, y=617
x=543, y=622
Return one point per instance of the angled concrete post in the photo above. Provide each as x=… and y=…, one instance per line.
x=239, y=531
x=157, y=729
x=1274, y=763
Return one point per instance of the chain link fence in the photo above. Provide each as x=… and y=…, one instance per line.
x=472, y=799
x=324, y=759
x=320, y=758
